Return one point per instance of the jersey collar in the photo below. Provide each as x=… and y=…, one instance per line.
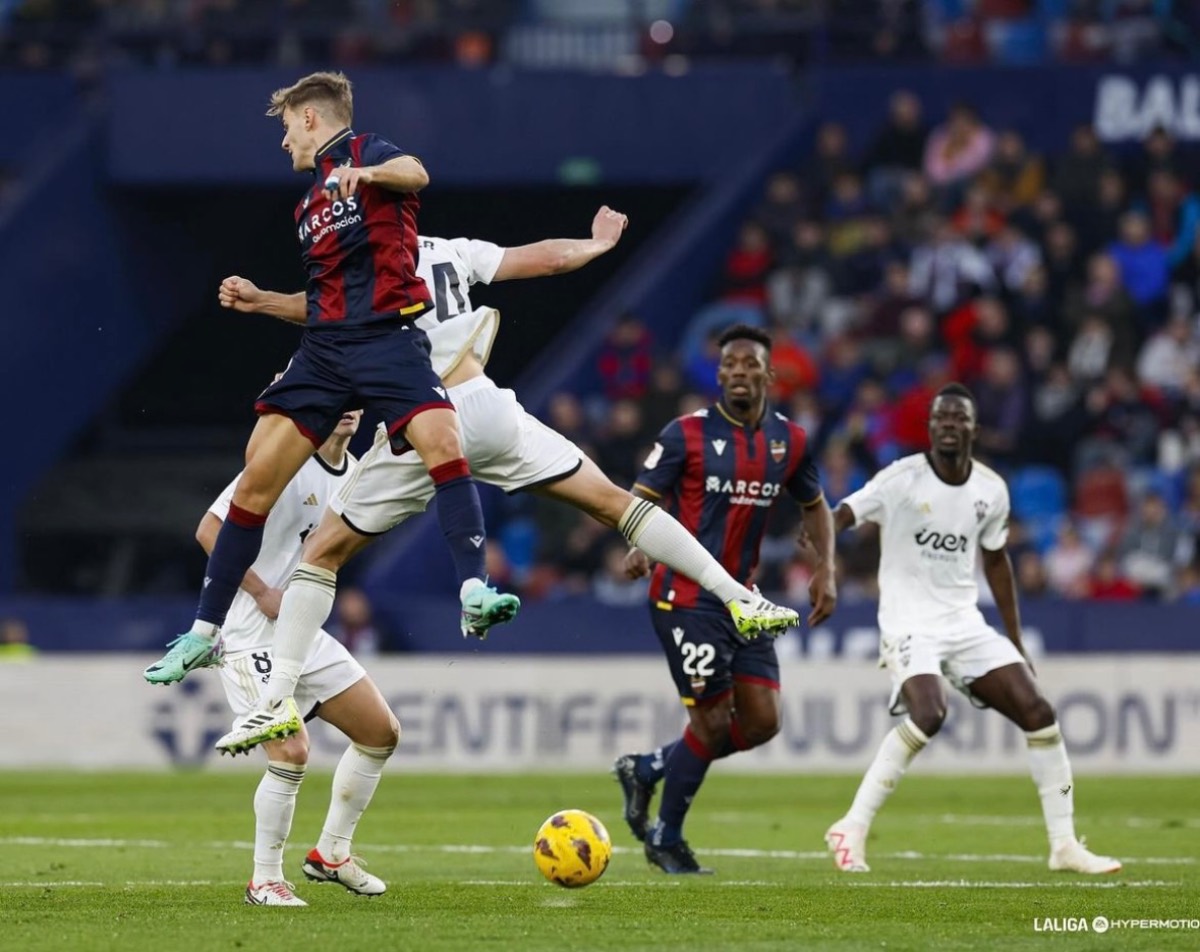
x=933, y=469
x=329, y=469
x=736, y=422
x=336, y=148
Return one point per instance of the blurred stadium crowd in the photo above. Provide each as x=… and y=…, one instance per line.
x=1064, y=291
x=85, y=34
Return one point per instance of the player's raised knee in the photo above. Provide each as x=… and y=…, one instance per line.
x=292, y=750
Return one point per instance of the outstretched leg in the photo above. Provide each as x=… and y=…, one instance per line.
x=658, y=534
x=275, y=453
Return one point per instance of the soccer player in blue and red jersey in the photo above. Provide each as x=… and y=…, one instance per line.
x=719, y=472
x=358, y=237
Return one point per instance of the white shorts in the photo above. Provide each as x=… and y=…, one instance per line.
x=329, y=670
x=961, y=658
x=505, y=446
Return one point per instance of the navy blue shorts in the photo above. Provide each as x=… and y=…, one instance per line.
x=707, y=655
x=380, y=367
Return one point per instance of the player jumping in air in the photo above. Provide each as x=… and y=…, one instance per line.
x=362, y=347
x=935, y=511
x=332, y=686
x=506, y=446
x=719, y=471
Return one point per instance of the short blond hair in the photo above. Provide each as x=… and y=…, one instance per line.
x=331, y=91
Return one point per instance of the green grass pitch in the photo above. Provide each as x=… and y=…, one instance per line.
x=158, y=862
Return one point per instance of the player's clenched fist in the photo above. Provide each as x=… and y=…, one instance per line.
x=241, y=294
x=608, y=225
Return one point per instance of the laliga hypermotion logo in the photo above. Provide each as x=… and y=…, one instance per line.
x=189, y=722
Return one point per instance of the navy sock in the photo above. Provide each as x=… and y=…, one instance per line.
x=685, y=770
x=649, y=768
x=461, y=518
x=233, y=553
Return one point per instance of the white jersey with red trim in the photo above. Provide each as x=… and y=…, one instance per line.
x=449, y=267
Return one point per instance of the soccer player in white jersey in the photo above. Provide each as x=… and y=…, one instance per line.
x=505, y=446
x=332, y=686
x=934, y=512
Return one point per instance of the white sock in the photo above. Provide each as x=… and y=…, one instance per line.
x=274, y=805
x=354, y=784
x=663, y=539
x=902, y=744
x=467, y=585
x=1051, y=772
x=306, y=604
x=205, y=629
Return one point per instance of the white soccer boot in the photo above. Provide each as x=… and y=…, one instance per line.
x=753, y=614
x=1072, y=856
x=272, y=894
x=271, y=722
x=348, y=873
x=848, y=843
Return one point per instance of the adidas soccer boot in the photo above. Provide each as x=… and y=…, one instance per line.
x=1073, y=856
x=188, y=652
x=271, y=722
x=272, y=894
x=348, y=873
x=674, y=858
x=753, y=614
x=483, y=607
x=637, y=795
x=848, y=844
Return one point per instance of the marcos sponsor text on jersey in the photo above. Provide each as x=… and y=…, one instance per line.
x=360, y=252
x=719, y=478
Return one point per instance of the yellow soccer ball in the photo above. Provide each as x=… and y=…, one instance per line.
x=572, y=848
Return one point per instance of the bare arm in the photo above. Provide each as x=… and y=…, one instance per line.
x=241, y=294
x=562, y=255
x=822, y=590
x=843, y=519
x=264, y=596
x=401, y=174
x=998, y=570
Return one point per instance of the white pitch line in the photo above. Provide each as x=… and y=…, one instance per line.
x=80, y=843
x=969, y=884
x=480, y=850
x=1135, y=822
x=128, y=884
x=672, y=884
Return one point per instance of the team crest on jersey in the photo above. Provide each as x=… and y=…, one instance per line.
x=778, y=450
x=981, y=508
